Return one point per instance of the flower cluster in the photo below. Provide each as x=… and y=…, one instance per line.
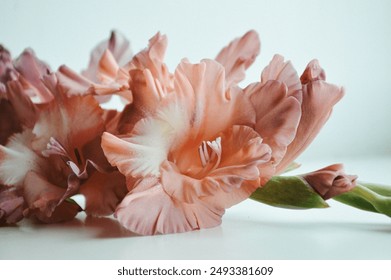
x=186, y=146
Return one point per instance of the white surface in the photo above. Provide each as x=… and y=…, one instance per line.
x=250, y=230
x=351, y=39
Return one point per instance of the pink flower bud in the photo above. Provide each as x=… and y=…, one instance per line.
x=330, y=181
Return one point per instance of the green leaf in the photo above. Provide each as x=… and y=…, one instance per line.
x=289, y=192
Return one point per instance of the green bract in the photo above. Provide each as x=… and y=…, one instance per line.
x=289, y=192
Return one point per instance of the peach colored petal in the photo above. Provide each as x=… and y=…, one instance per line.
x=277, y=115
x=43, y=199
x=148, y=95
x=319, y=98
x=238, y=56
x=72, y=121
x=17, y=158
x=152, y=211
x=152, y=58
x=330, y=181
x=119, y=47
x=150, y=81
x=201, y=90
x=103, y=192
x=242, y=155
x=281, y=71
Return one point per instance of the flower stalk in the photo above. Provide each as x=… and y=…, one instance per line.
x=368, y=197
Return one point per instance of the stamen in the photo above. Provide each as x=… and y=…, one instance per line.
x=54, y=148
x=205, y=157
x=205, y=149
x=202, y=155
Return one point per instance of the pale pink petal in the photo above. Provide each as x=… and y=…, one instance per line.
x=282, y=71
x=43, y=200
x=313, y=72
x=277, y=115
x=118, y=45
x=238, y=56
x=330, y=181
x=17, y=158
x=242, y=155
x=319, y=98
x=103, y=193
x=152, y=211
x=33, y=70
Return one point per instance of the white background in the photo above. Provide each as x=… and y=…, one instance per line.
x=351, y=39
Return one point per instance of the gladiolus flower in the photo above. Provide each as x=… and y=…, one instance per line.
x=59, y=157
x=204, y=144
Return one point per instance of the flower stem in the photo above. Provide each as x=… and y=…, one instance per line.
x=368, y=197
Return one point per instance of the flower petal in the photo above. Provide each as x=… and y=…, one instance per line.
x=238, y=56
x=33, y=70
x=118, y=45
x=17, y=158
x=9, y=122
x=243, y=155
x=319, y=98
x=152, y=58
x=103, y=193
x=72, y=121
x=152, y=211
x=44, y=200
x=212, y=107
x=71, y=82
x=281, y=71
x=11, y=206
x=277, y=115
x=142, y=154
x=25, y=109
x=313, y=72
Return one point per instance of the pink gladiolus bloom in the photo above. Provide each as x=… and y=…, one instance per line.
x=330, y=181
x=60, y=156
x=196, y=143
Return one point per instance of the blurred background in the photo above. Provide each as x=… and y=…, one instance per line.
x=351, y=39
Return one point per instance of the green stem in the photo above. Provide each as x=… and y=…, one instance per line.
x=368, y=197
